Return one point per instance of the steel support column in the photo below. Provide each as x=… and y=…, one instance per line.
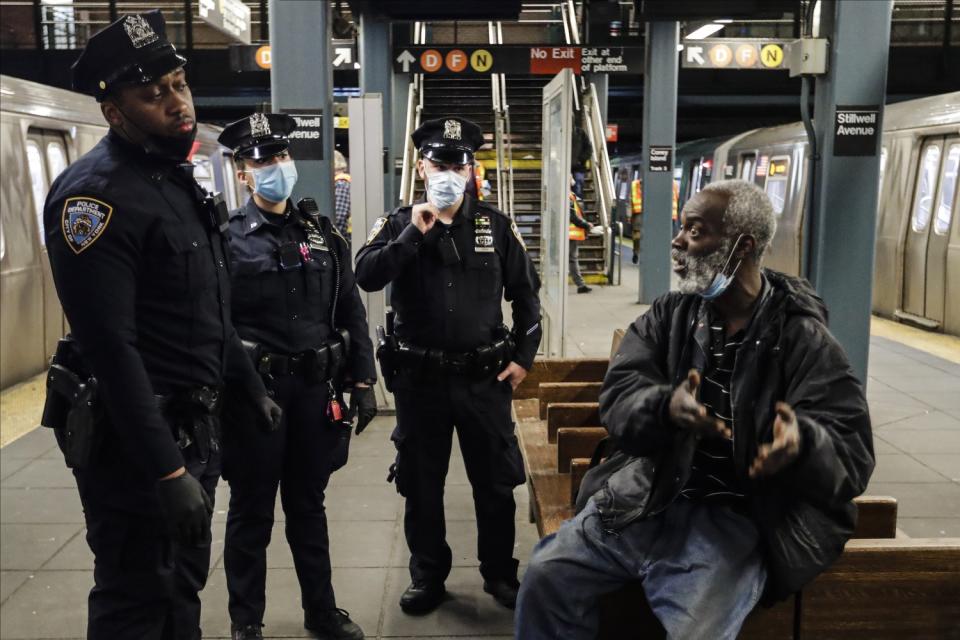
x=843, y=230
x=659, y=130
x=376, y=76
x=602, y=82
x=301, y=78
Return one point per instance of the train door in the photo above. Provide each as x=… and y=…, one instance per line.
x=748, y=162
x=944, y=205
x=918, y=231
x=46, y=158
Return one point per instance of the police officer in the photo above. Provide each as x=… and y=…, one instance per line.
x=294, y=292
x=451, y=260
x=139, y=264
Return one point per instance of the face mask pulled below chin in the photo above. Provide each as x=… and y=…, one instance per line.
x=444, y=188
x=275, y=182
x=721, y=281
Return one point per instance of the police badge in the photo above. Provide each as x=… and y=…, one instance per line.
x=259, y=125
x=451, y=129
x=83, y=221
x=139, y=31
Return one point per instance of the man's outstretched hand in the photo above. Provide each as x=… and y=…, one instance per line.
x=785, y=448
x=687, y=413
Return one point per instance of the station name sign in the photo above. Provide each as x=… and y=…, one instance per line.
x=306, y=141
x=734, y=54
x=856, y=130
x=525, y=59
x=231, y=17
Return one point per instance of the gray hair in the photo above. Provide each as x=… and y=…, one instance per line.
x=748, y=212
x=339, y=162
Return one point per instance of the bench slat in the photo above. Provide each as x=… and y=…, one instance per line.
x=551, y=392
x=571, y=414
x=576, y=442
x=560, y=370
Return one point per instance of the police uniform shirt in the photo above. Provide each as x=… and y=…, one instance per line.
x=288, y=310
x=144, y=284
x=455, y=306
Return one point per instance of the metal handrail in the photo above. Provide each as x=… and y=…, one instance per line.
x=600, y=161
x=408, y=176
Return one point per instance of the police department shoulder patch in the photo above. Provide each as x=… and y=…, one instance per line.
x=83, y=221
x=377, y=226
x=516, y=233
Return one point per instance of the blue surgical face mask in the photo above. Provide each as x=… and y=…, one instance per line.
x=444, y=188
x=722, y=280
x=275, y=182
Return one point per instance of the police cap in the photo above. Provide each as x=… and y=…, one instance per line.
x=448, y=140
x=132, y=50
x=258, y=136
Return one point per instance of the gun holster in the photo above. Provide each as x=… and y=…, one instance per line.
x=70, y=408
x=387, y=356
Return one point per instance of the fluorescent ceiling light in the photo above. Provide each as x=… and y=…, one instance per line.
x=704, y=31
x=723, y=20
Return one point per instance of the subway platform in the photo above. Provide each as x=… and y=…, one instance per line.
x=46, y=567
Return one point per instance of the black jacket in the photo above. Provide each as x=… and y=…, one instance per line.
x=143, y=278
x=291, y=310
x=455, y=306
x=805, y=513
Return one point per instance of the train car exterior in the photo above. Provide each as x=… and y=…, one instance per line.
x=917, y=261
x=42, y=131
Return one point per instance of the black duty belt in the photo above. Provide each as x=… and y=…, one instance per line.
x=321, y=364
x=481, y=362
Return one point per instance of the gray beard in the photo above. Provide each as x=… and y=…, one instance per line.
x=702, y=269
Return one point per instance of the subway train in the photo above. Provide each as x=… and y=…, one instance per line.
x=916, y=276
x=43, y=130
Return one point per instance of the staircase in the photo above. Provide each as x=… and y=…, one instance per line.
x=471, y=98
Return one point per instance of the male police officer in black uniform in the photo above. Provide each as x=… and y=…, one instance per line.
x=293, y=289
x=139, y=264
x=451, y=363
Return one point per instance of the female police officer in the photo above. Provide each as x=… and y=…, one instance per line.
x=293, y=289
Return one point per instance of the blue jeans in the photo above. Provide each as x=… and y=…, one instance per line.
x=699, y=564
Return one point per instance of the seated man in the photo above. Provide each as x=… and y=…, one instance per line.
x=743, y=438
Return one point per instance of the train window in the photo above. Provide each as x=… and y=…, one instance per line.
x=926, y=187
x=38, y=181
x=202, y=173
x=747, y=163
x=56, y=159
x=948, y=187
x=778, y=171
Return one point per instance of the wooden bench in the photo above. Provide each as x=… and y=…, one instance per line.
x=883, y=586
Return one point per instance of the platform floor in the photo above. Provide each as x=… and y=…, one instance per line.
x=45, y=565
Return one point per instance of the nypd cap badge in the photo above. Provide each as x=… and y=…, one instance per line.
x=83, y=221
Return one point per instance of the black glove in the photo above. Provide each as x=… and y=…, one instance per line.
x=270, y=414
x=363, y=404
x=186, y=509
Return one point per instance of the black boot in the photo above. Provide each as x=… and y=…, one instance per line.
x=332, y=624
x=503, y=591
x=422, y=597
x=246, y=632
x=584, y=289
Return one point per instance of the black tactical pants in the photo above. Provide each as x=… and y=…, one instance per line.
x=299, y=458
x=146, y=584
x=427, y=414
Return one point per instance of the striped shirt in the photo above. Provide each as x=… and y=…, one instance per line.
x=712, y=476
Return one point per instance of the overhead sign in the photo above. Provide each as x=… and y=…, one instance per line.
x=856, y=130
x=536, y=59
x=231, y=17
x=306, y=141
x=661, y=158
x=258, y=58
x=734, y=53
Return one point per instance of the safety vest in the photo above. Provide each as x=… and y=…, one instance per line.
x=576, y=233
x=636, y=197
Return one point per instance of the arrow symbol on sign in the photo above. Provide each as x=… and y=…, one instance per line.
x=344, y=55
x=693, y=55
x=405, y=59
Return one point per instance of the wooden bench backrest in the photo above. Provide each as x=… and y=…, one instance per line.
x=560, y=370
